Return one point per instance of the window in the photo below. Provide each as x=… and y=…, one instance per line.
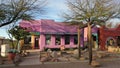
x=57, y=40
x=67, y=39
x=48, y=39
x=27, y=40
x=75, y=39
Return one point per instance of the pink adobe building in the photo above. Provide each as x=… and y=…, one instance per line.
x=51, y=34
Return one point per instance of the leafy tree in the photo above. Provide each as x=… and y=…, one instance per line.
x=91, y=12
x=13, y=10
x=18, y=33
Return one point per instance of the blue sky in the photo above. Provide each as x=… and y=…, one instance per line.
x=54, y=9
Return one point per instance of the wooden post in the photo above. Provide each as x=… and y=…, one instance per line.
x=79, y=47
x=33, y=41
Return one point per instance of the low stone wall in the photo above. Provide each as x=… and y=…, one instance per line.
x=113, y=49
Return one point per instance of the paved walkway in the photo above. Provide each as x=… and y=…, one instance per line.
x=32, y=59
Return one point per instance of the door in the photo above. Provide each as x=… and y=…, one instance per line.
x=37, y=43
x=118, y=40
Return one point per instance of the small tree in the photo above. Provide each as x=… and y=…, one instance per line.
x=18, y=33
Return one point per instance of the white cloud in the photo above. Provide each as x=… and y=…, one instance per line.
x=54, y=9
x=114, y=22
x=57, y=4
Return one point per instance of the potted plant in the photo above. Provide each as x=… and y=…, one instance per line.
x=12, y=54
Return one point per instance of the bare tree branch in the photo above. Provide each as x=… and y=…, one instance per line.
x=14, y=10
x=92, y=10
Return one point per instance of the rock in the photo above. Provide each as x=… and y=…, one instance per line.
x=72, y=59
x=44, y=59
x=94, y=57
x=63, y=59
x=102, y=55
x=95, y=64
x=119, y=50
x=116, y=49
x=70, y=52
x=99, y=55
x=82, y=58
x=54, y=60
x=54, y=54
x=49, y=50
x=59, y=53
x=111, y=49
x=75, y=52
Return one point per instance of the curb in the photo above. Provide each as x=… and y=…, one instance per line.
x=85, y=61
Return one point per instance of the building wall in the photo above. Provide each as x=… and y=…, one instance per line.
x=45, y=27
x=106, y=33
x=42, y=43
x=1, y=41
x=4, y=41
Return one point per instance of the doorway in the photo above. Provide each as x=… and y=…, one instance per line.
x=37, y=43
x=118, y=41
x=110, y=41
x=95, y=40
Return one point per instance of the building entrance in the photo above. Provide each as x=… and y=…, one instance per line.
x=118, y=41
x=37, y=43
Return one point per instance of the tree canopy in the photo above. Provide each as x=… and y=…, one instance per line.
x=18, y=32
x=92, y=11
x=14, y=10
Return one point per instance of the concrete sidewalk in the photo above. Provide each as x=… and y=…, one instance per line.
x=33, y=59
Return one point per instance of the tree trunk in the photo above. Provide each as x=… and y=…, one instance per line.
x=79, y=47
x=18, y=46
x=12, y=44
x=90, y=43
